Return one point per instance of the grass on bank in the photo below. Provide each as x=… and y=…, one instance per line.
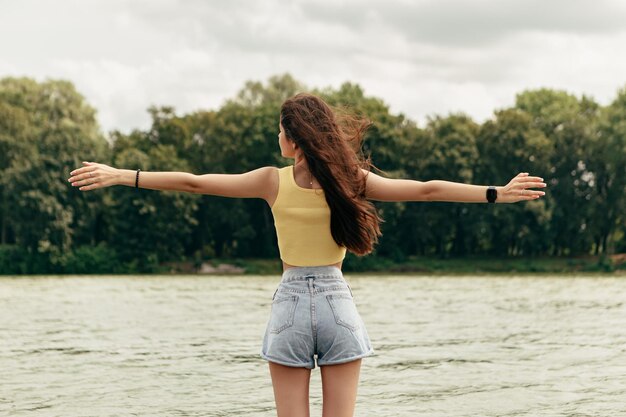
x=101, y=259
x=423, y=265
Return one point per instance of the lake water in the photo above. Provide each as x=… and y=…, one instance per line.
x=189, y=346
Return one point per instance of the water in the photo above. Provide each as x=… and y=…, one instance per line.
x=188, y=346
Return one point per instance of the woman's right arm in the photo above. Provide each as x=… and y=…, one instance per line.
x=389, y=189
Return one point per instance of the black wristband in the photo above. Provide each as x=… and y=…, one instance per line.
x=137, y=179
x=492, y=194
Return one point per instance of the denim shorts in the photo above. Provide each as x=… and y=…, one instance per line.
x=313, y=314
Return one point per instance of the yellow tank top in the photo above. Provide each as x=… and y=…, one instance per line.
x=302, y=220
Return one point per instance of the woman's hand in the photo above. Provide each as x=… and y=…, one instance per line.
x=94, y=175
x=516, y=189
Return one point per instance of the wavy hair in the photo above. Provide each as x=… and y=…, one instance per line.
x=330, y=139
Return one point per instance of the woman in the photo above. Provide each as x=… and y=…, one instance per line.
x=321, y=209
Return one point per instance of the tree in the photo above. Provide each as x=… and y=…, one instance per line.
x=507, y=145
x=568, y=124
x=608, y=173
x=50, y=125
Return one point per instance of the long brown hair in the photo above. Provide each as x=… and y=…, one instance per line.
x=330, y=139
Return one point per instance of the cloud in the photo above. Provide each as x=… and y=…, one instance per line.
x=422, y=57
x=473, y=23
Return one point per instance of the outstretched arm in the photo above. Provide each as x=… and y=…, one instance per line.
x=388, y=189
x=93, y=175
x=250, y=184
x=516, y=190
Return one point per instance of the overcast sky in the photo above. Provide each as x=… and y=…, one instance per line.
x=422, y=57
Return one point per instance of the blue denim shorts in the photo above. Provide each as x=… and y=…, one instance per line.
x=314, y=315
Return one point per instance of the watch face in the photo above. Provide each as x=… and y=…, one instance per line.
x=491, y=195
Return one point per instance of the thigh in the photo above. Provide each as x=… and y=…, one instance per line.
x=339, y=387
x=291, y=390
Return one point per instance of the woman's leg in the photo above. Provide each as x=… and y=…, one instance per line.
x=339, y=387
x=291, y=390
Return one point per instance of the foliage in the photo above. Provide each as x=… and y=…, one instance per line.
x=47, y=226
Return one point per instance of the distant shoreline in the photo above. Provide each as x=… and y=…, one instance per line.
x=615, y=264
x=81, y=263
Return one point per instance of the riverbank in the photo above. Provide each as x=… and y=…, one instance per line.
x=101, y=259
x=615, y=264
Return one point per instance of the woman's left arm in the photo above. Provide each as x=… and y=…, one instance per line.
x=516, y=190
x=253, y=184
x=94, y=175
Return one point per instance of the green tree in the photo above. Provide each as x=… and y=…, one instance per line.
x=385, y=141
x=51, y=124
x=507, y=145
x=569, y=125
x=608, y=177
x=156, y=225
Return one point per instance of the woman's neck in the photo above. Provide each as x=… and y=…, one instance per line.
x=300, y=161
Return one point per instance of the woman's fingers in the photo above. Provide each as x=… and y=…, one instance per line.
x=88, y=183
x=524, y=176
x=85, y=168
x=532, y=184
x=85, y=177
x=518, y=188
x=528, y=178
x=82, y=169
x=89, y=187
x=524, y=192
x=85, y=181
x=82, y=173
x=93, y=175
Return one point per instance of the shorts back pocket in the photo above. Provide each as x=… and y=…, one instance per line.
x=344, y=310
x=283, y=312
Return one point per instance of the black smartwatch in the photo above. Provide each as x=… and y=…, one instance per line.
x=492, y=194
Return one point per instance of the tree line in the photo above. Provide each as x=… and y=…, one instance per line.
x=47, y=129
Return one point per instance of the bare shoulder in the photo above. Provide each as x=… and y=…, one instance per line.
x=257, y=183
x=271, y=184
x=266, y=181
x=267, y=173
